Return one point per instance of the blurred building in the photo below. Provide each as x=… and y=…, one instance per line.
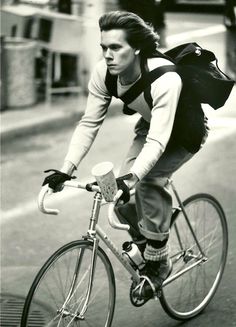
x=67, y=37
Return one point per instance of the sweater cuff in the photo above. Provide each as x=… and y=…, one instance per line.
x=136, y=173
x=68, y=167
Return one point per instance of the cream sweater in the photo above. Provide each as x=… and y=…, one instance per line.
x=165, y=92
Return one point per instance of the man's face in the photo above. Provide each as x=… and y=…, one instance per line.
x=119, y=55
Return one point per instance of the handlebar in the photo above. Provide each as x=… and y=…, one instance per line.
x=45, y=190
x=112, y=216
x=41, y=201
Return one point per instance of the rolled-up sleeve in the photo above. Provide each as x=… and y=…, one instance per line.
x=165, y=93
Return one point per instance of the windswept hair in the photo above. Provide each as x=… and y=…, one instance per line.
x=139, y=35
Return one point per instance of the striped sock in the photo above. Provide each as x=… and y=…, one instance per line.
x=154, y=254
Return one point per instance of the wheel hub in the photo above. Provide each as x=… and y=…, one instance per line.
x=66, y=313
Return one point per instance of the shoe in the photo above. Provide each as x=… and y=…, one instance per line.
x=151, y=282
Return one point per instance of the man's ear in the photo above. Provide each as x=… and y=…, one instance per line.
x=136, y=52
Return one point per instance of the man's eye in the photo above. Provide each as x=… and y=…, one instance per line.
x=115, y=48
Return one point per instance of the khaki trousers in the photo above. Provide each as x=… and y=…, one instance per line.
x=149, y=214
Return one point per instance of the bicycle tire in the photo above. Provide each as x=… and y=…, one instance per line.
x=56, y=279
x=190, y=294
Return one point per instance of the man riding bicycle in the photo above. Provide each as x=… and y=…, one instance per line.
x=160, y=145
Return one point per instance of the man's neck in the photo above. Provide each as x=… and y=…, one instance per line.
x=131, y=74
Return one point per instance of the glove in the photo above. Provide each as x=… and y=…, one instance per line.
x=125, y=197
x=122, y=186
x=56, y=179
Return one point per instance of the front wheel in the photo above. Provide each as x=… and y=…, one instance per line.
x=59, y=291
x=189, y=294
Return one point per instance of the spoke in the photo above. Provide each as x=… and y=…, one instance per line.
x=202, y=240
x=59, y=322
x=52, y=320
x=51, y=294
x=79, y=284
x=95, y=294
x=191, y=291
x=60, y=288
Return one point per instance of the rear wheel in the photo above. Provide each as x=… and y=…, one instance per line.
x=60, y=288
x=190, y=293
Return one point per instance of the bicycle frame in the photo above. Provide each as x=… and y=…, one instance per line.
x=181, y=208
x=201, y=258
x=94, y=230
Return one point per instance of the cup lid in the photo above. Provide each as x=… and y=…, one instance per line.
x=102, y=168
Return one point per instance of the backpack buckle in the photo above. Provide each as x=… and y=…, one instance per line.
x=198, y=51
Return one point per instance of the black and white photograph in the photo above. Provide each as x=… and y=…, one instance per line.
x=118, y=163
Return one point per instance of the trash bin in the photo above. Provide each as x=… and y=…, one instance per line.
x=18, y=72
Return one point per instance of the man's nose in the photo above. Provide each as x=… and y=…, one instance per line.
x=108, y=54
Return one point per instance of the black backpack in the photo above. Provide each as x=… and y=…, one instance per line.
x=201, y=77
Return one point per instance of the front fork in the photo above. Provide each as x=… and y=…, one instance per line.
x=95, y=241
x=91, y=237
x=80, y=315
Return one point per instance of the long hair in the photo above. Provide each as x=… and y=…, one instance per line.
x=139, y=35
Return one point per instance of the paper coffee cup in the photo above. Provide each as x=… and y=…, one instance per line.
x=103, y=172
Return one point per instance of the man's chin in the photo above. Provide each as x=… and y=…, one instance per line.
x=113, y=71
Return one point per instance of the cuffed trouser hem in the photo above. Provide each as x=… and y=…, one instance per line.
x=152, y=235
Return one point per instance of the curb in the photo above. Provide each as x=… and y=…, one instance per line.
x=43, y=120
x=38, y=126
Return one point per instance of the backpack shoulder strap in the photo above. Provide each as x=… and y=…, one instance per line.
x=111, y=84
x=144, y=82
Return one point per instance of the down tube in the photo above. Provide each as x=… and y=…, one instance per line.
x=116, y=252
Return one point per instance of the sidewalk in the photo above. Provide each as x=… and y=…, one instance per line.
x=62, y=110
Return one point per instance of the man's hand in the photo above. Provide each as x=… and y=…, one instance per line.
x=55, y=181
x=125, y=183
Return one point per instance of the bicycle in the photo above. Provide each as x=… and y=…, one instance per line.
x=76, y=285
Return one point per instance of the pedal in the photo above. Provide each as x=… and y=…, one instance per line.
x=136, y=300
x=139, y=301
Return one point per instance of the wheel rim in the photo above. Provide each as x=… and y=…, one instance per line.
x=189, y=294
x=51, y=295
